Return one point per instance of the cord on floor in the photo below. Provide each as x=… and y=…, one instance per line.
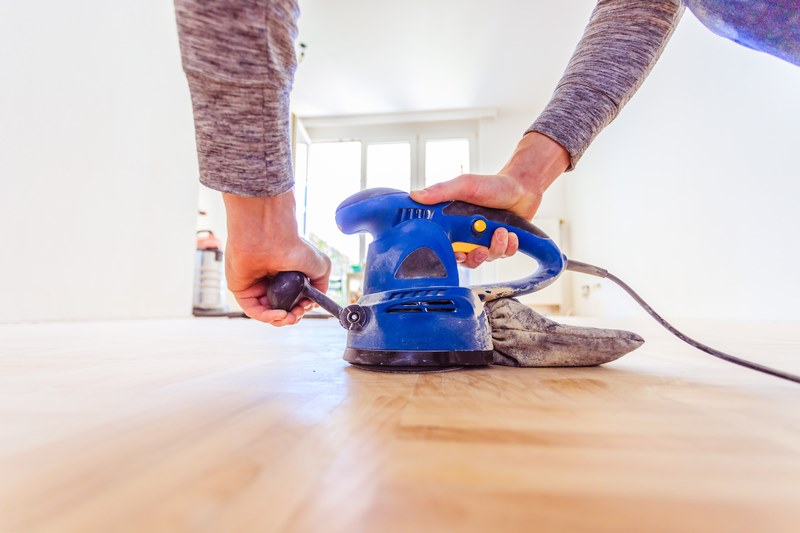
x=586, y=268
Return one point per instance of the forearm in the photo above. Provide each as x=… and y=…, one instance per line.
x=239, y=58
x=536, y=162
x=622, y=42
x=259, y=224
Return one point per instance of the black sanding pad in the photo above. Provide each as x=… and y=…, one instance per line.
x=407, y=369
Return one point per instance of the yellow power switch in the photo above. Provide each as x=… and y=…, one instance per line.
x=464, y=247
x=479, y=225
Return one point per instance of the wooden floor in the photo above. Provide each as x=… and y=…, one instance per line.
x=229, y=425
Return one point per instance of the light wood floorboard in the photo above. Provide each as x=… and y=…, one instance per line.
x=229, y=425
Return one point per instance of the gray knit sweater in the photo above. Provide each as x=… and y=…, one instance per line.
x=619, y=47
x=239, y=58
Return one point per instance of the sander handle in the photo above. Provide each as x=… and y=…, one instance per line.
x=384, y=212
x=469, y=226
x=287, y=289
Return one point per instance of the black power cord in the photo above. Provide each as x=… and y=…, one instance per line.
x=586, y=268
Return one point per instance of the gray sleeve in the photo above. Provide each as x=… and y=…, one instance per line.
x=239, y=58
x=619, y=47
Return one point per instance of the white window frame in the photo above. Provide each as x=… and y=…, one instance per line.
x=416, y=134
x=415, y=129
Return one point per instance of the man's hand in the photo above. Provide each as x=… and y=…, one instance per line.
x=518, y=187
x=262, y=241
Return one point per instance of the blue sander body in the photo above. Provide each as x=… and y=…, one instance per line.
x=413, y=314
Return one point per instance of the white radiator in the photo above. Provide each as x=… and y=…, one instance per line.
x=552, y=298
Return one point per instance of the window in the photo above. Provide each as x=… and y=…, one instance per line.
x=445, y=159
x=334, y=173
x=341, y=160
x=389, y=165
x=300, y=176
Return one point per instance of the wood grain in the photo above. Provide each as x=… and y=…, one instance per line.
x=229, y=425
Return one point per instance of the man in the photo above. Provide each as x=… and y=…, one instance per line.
x=239, y=59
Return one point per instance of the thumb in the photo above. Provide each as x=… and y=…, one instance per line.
x=460, y=188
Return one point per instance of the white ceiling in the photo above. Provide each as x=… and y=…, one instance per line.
x=382, y=56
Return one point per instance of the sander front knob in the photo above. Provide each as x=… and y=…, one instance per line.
x=354, y=317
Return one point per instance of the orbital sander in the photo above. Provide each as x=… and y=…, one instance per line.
x=415, y=317
x=413, y=314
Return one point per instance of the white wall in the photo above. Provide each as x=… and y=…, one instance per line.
x=691, y=196
x=98, y=186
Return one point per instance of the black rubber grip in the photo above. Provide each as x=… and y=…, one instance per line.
x=458, y=208
x=286, y=290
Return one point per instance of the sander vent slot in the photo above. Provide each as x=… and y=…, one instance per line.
x=411, y=213
x=417, y=293
x=424, y=306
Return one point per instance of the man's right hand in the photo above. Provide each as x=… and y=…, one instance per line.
x=262, y=241
x=535, y=164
